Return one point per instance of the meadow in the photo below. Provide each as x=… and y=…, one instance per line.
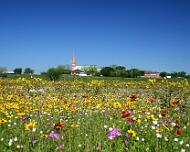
x=94, y=114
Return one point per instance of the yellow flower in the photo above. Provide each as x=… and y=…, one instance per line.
x=130, y=103
x=116, y=105
x=20, y=114
x=10, y=97
x=75, y=126
x=3, y=120
x=30, y=126
x=165, y=127
x=136, y=119
x=152, y=118
x=158, y=130
x=132, y=133
x=44, y=136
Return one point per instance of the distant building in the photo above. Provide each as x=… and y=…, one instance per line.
x=10, y=72
x=169, y=77
x=78, y=70
x=150, y=74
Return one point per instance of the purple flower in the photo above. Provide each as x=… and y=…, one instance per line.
x=54, y=135
x=24, y=119
x=127, y=136
x=130, y=121
x=34, y=140
x=113, y=133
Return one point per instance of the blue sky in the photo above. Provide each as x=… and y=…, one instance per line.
x=146, y=34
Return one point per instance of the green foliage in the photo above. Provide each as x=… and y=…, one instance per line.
x=134, y=73
x=107, y=71
x=90, y=70
x=18, y=70
x=64, y=69
x=28, y=71
x=120, y=71
x=163, y=74
x=3, y=75
x=181, y=74
x=53, y=74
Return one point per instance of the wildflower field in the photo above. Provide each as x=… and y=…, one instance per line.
x=90, y=114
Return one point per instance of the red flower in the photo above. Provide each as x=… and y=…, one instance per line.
x=126, y=115
x=179, y=132
x=132, y=97
x=174, y=102
x=164, y=112
x=59, y=126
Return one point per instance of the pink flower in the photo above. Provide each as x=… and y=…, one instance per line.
x=54, y=135
x=113, y=133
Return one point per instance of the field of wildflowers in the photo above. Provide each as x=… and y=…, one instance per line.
x=94, y=115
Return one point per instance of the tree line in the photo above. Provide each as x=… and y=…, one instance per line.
x=55, y=73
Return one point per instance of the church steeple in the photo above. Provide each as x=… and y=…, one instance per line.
x=73, y=67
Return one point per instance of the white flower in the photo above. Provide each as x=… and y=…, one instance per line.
x=79, y=145
x=142, y=139
x=137, y=138
x=153, y=127
x=15, y=139
x=155, y=122
x=10, y=142
x=173, y=124
x=18, y=146
x=34, y=130
x=187, y=145
x=158, y=135
x=110, y=129
x=182, y=150
x=105, y=126
x=176, y=139
x=2, y=139
x=160, y=116
x=165, y=138
x=181, y=142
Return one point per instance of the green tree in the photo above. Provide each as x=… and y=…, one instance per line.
x=53, y=74
x=107, y=71
x=28, y=71
x=18, y=70
x=90, y=70
x=134, y=73
x=120, y=71
x=63, y=69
